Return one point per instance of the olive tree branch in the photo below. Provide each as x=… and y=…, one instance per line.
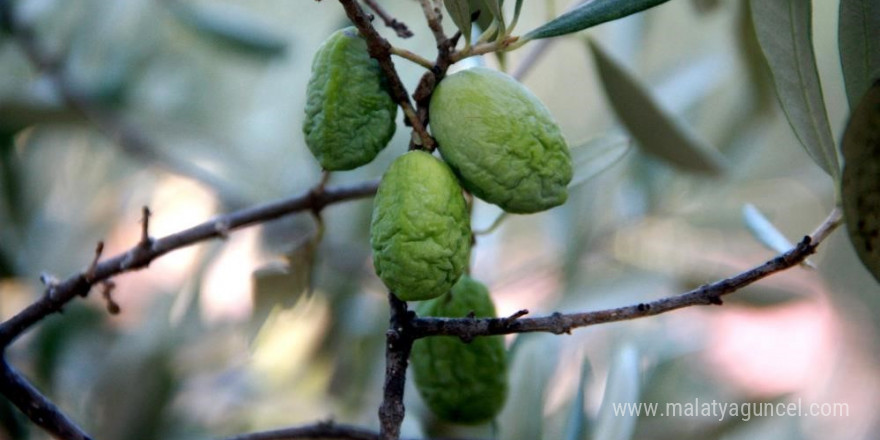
x=559, y=323
x=320, y=430
x=380, y=49
x=35, y=406
x=434, y=17
x=398, y=344
x=147, y=250
x=399, y=27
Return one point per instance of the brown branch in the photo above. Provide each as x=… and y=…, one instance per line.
x=320, y=430
x=36, y=406
x=398, y=26
x=380, y=49
x=434, y=17
x=57, y=295
x=558, y=323
x=398, y=342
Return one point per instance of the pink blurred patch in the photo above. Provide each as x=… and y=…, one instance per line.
x=774, y=350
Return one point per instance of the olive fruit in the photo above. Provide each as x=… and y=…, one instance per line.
x=500, y=140
x=860, y=185
x=350, y=117
x=420, y=232
x=461, y=382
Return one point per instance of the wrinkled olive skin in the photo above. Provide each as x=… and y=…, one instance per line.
x=501, y=141
x=461, y=382
x=350, y=117
x=420, y=231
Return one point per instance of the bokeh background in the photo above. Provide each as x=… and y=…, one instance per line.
x=269, y=328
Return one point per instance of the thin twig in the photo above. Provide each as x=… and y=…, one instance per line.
x=380, y=49
x=397, y=349
x=399, y=27
x=412, y=56
x=140, y=256
x=320, y=430
x=835, y=218
x=434, y=17
x=559, y=323
x=37, y=407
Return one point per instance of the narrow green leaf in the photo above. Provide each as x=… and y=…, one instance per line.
x=590, y=14
x=460, y=12
x=231, y=28
x=516, y=10
x=858, y=37
x=767, y=233
x=494, y=7
x=764, y=231
x=597, y=155
x=784, y=31
x=657, y=131
x=860, y=187
x=621, y=390
x=577, y=426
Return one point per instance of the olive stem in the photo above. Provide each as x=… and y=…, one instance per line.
x=411, y=56
x=380, y=49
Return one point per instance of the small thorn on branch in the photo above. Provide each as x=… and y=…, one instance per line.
x=519, y=314
x=145, y=227
x=90, y=273
x=399, y=27
x=107, y=293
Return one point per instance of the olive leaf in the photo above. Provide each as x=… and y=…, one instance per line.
x=578, y=423
x=764, y=230
x=597, y=155
x=621, y=388
x=494, y=7
x=858, y=37
x=657, y=131
x=590, y=14
x=230, y=28
x=517, y=8
x=860, y=188
x=460, y=12
x=783, y=28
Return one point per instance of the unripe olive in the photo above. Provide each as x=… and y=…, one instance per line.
x=500, y=140
x=461, y=382
x=420, y=232
x=350, y=117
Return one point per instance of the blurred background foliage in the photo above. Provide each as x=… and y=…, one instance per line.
x=270, y=328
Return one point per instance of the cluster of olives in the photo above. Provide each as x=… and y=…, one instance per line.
x=497, y=141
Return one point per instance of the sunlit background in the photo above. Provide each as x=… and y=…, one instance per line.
x=264, y=329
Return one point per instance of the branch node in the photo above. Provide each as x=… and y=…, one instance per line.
x=222, y=228
x=559, y=324
x=643, y=307
x=715, y=300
